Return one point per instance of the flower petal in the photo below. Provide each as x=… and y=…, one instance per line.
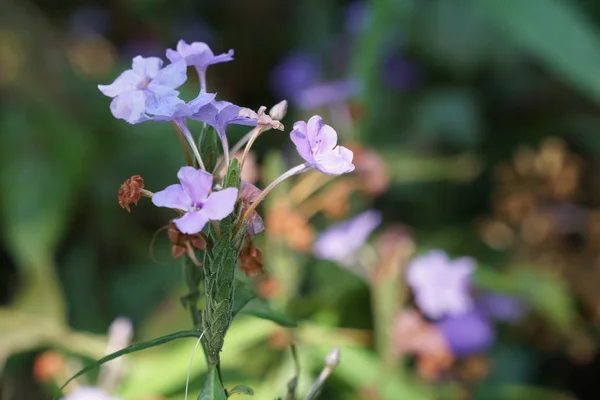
x=225, y=57
x=192, y=222
x=146, y=67
x=200, y=101
x=172, y=76
x=166, y=108
x=196, y=183
x=172, y=197
x=328, y=139
x=173, y=55
x=220, y=204
x=130, y=106
x=313, y=130
x=298, y=136
x=333, y=163
x=125, y=82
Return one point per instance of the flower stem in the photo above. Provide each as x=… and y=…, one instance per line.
x=186, y=151
x=255, y=134
x=289, y=173
x=188, y=135
x=238, y=146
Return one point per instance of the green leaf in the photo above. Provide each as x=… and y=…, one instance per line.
x=213, y=389
x=242, y=296
x=208, y=145
x=241, y=389
x=261, y=309
x=234, y=176
x=557, y=33
x=131, y=349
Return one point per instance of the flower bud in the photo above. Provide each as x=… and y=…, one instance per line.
x=279, y=110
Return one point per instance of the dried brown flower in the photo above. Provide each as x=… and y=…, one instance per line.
x=250, y=258
x=130, y=192
x=180, y=241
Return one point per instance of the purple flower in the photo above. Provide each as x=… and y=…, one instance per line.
x=441, y=285
x=175, y=109
x=146, y=89
x=199, y=55
x=317, y=144
x=88, y=393
x=501, y=307
x=467, y=333
x=340, y=242
x=294, y=73
x=192, y=196
x=219, y=114
x=328, y=93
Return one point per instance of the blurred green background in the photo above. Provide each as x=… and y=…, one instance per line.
x=485, y=112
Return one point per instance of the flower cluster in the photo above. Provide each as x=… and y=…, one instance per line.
x=148, y=92
x=458, y=321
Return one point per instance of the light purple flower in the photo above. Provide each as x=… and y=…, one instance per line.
x=467, y=333
x=440, y=285
x=199, y=55
x=327, y=93
x=340, y=242
x=317, y=144
x=89, y=393
x=219, y=114
x=192, y=196
x=146, y=89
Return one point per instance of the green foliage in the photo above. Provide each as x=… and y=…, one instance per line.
x=213, y=389
x=131, y=349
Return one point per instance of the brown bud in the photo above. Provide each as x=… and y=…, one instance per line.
x=251, y=258
x=130, y=192
x=48, y=365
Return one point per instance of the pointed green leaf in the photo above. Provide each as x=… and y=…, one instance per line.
x=233, y=177
x=208, y=145
x=213, y=389
x=241, y=389
x=131, y=349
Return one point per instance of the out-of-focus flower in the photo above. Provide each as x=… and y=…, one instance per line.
x=371, y=170
x=340, y=242
x=48, y=366
x=146, y=89
x=89, y=393
x=441, y=285
x=293, y=227
x=219, y=114
x=269, y=288
x=501, y=307
x=249, y=194
x=467, y=333
x=317, y=144
x=334, y=200
x=130, y=192
x=294, y=73
x=413, y=335
x=192, y=196
x=198, y=55
x=326, y=93
x=250, y=258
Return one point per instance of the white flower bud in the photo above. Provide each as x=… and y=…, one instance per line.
x=279, y=110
